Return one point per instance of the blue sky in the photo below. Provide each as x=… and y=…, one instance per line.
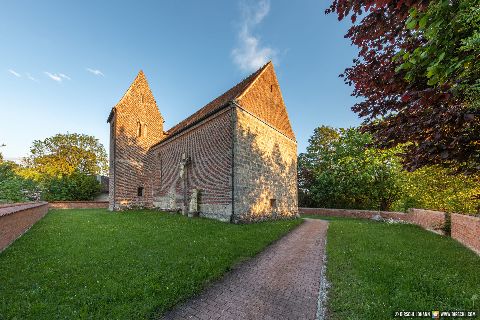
x=65, y=64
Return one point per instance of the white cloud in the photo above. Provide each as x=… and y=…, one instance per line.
x=29, y=76
x=250, y=55
x=95, y=72
x=54, y=76
x=16, y=74
x=64, y=76
x=57, y=77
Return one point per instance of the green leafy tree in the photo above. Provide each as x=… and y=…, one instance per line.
x=1, y=155
x=341, y=169
x=437, y=188
x=13, y=187
x=64, y=154
x=448, y=59
x=65, y=166
x=346, y=173
x=417, y=75
x=320, y=143
x=76, y=186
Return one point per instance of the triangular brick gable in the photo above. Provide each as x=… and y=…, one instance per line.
x=136, y=116
x=258, y=94
x=138, y=87
x=263, y=98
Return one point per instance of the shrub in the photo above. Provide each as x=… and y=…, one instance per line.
x=14, y=188
x=77, y=186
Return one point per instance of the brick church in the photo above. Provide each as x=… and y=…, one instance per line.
x=233, y=160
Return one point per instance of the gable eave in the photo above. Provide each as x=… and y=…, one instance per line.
x=251, y=84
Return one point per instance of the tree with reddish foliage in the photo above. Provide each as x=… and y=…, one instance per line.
x=417, y=75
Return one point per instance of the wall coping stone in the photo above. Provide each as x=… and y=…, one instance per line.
x=12, y=208
x=468, y=216
x=85, y=201
x=305, y=210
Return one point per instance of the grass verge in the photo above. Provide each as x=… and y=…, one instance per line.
x=95, y=264
x=375, y=269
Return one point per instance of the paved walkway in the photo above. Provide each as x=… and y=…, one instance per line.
x=282, y=282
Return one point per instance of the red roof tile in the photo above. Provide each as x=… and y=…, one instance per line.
x=216, y=104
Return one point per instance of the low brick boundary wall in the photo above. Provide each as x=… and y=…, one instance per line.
x=353, y=213
x=17, y=204
x=427, y=219
x=79, y=205
x=16, y=219
x=466, y=230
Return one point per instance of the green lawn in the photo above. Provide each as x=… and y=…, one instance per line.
x=99, y=265
x=377, y=268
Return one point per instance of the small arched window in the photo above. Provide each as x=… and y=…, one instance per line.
x=139, y=129
x=145, y=130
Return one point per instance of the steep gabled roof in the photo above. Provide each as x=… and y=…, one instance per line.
x=216, y=104
x=139, y=79
x=258, y=94
x=263, y=99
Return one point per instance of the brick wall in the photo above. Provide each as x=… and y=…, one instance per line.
x=15, y=220
x=427, y=219
x=78, y=205
x=265, y=170
x=192, y=170
x=264, y=100
x=466, y=229
x=265, y=158
x=352, y=213
x=135, y=125
x=208, y=145
x=111, y=164
x=19, y=204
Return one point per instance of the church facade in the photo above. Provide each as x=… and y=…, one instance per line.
x=233, y=160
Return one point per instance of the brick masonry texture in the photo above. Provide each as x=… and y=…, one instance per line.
x=217, y=103
x=466, y=229
x=233, y=160
x=135, y=126
x=265, y=170
x=282, y=282
x=13, y=206
x=352, y=213
x=15, y=220
x=78, y=205
x=209, y=149
x=427, y=219
x=264, y=100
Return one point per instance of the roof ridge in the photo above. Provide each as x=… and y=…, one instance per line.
x=227, y=96
x=259, y=71
x=140, y=73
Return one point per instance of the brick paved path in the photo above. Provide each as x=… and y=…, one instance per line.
x=280, y=283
